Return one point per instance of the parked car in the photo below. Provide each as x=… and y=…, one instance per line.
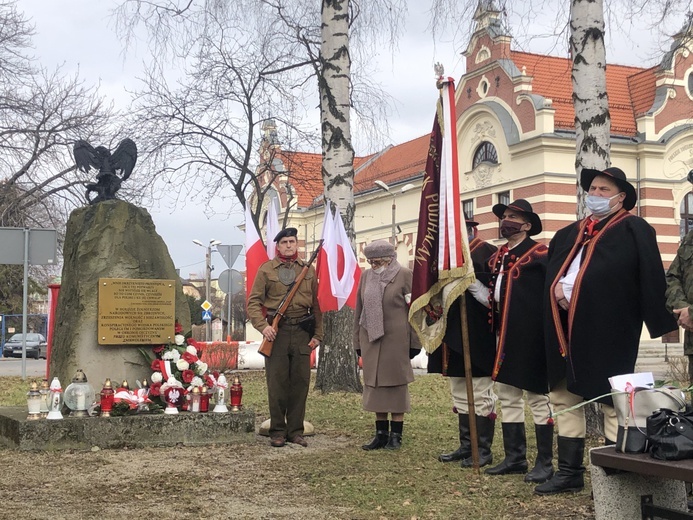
x=36, y=346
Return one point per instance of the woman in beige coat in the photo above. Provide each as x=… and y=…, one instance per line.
x=386, y=342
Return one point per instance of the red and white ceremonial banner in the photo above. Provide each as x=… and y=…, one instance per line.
x=272, y=229
x=337, y=267
x=442, y=266
x=255, y=252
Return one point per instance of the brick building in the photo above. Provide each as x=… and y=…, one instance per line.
x=516, y=139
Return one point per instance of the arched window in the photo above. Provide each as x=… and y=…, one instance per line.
x=686, y=214
x=486, y=152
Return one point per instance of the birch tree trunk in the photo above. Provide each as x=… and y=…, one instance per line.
x=337, y=369
x=590, y=100
x=592, y=118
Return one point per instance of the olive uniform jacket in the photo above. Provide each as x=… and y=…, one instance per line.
x=268, y=292
x=448, y=359
x=619, y=286
x=680, y=285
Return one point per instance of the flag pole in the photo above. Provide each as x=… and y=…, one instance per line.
x=473, y=435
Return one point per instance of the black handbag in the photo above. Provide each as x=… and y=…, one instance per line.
x=670, y=434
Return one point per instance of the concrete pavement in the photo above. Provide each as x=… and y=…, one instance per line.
x=35, y=368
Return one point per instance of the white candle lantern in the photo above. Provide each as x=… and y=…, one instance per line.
x=33, y=402
x=220, y=395
x=55, y=400
x=44, y=390
x=79, y=395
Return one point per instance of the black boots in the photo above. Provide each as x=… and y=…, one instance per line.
x=543, y=467
x=569, y=477
x=381, y=436
x=484, y=429
x=515, y=446
x=465, y=449
x=395, y=440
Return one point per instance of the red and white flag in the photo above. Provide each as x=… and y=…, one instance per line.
x=272, y=228
x=255, y=252
x=337, y=267
x=442, y=266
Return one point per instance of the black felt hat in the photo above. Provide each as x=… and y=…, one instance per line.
x=286, y=232
x=524, y=207
x=469, y=222
x=615, y=174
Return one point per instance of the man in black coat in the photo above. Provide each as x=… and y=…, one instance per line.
x=516, y=295
x=604, y=279
x=448, y=360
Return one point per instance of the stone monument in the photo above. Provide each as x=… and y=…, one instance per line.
x=109, y=239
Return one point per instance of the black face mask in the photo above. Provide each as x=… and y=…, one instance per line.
x=509, y=228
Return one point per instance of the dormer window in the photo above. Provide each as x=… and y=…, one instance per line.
x=485, y=153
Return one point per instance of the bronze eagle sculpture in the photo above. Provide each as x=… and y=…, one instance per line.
x=108, y=181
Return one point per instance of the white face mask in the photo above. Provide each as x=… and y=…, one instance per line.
x=599, y=205
x=379, y=270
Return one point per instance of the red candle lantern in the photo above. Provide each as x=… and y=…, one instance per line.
x=107, y=394
x=236, y=394
x=204, y=399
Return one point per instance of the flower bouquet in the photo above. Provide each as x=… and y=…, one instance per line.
x=176, y=370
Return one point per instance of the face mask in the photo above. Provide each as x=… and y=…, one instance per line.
x=509, y=228
x=379, y=270
x=599, y=205
x=470, y=233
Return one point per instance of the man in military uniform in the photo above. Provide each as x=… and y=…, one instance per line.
x=680, y=294
x=300, y=331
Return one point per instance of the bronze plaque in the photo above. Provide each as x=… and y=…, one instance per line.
x=135, y=312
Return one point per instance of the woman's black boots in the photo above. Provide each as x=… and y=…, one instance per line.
x=381, y=438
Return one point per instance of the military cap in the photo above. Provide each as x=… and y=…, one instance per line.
x=286, y=232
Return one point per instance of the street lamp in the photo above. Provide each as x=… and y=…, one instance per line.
x=208, y=279
x=380, y=184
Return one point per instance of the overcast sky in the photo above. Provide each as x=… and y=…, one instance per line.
x=80, y=34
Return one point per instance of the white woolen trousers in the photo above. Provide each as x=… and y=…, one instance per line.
x=484, y=398
x=513, y=405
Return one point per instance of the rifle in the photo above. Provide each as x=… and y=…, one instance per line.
x=266, y=345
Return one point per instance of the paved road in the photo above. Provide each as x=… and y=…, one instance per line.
x=13, y=367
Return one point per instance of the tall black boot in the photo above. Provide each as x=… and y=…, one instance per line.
x=394, y=442
x=465, y=449
x=570, y=474
x=381, y=436
x=485, y=427
x=515, y=446
x=543, y=467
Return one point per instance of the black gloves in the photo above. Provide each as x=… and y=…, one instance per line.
x=413, y=352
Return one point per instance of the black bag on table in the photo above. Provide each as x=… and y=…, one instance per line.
x=670, y=434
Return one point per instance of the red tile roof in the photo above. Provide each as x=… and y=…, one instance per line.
x=394, y=164
x=306, y=174
x=631, y=89
x=631, y=93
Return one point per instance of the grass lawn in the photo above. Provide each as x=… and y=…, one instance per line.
x=407, y=484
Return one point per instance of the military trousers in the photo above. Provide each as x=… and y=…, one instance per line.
x=287, y=372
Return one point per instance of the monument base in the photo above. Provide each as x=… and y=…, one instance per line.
x=136, y=431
